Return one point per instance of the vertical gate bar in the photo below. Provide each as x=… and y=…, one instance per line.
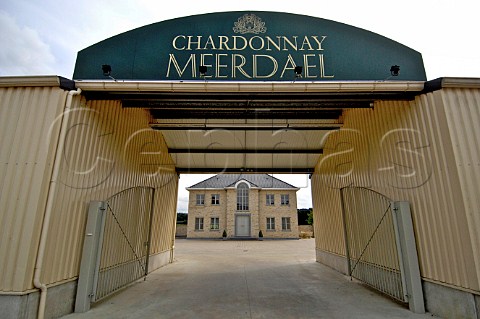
x=386, y=260
x=110, y=236
x=347, y=249
x=152, y=208
x=111, y=253
x=103, y=283
x=374, y=259
x=399, y=252
x=359, y=229
x=122, y=256
x=347, y=234
x=133, y=220
x=352, y=222
x=384, y=246
x=368, y=220
x=387, y=256
x=130, y=272
x=355, y=224
x=389, y=261
x=141, y=245
x=365, y=222
x=103, y=209
x=129, y=220
x=115, y=254
x=349, y=221
x=410, y=257
x=399, y=274
x=140, y=238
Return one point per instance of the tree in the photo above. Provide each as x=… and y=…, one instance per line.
x=182, y=218
x=310, y=217
x=302, y=214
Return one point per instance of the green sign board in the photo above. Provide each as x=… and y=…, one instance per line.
x=249, y=46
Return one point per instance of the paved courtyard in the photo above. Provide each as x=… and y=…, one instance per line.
x=247, y=279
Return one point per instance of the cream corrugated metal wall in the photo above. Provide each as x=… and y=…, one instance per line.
x=463, y=118
x=163, y=225
x=26, y=160
x=107, y=149
x=405, y=151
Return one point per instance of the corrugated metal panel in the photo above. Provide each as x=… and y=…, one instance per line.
x=26, y=115
x=108, y=149
x=404, y=151
x=463, y=116
x=164, y=223
x=327, y=216
x=250, y=140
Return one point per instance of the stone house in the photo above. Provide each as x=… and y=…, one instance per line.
x=242, y=205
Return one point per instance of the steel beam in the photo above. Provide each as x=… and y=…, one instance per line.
x=243, y=151
x=168, y=127
x=212, y=113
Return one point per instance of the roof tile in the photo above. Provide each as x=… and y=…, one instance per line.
x=229, y=180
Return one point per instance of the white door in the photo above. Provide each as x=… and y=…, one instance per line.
x=242, y=226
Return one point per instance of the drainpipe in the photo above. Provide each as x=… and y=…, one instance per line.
x=49, y=206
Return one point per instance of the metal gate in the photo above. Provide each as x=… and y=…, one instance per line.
x=116, y=246
x=372, y=241
x=125, y=241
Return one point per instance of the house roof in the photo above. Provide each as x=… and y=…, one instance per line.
x=229, y=180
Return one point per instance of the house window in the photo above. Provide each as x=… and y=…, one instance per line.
x=270, y=223
x=215, y=199
x=286, y=223
x=198, y=223
x=200, y=199
x=270, y=199
x=284, y=199
x=242, y=197
x=214, y=223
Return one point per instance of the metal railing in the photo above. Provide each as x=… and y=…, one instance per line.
x=371, y=241
x=124, y=240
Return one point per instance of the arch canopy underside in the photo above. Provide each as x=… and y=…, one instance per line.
x=224, y=129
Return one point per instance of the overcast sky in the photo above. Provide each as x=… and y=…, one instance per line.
x=40, y=37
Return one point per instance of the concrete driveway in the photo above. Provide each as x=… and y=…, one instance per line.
x=247, y=279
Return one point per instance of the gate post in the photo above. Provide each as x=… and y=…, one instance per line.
x=408, y=250
x=149, y=239
x=345, y=232
x=90, y=254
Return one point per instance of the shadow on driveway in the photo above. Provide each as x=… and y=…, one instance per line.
x=247, y=279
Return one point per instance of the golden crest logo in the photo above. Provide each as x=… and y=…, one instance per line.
x=249, y=23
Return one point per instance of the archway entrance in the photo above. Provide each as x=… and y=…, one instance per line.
x=240, y=93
